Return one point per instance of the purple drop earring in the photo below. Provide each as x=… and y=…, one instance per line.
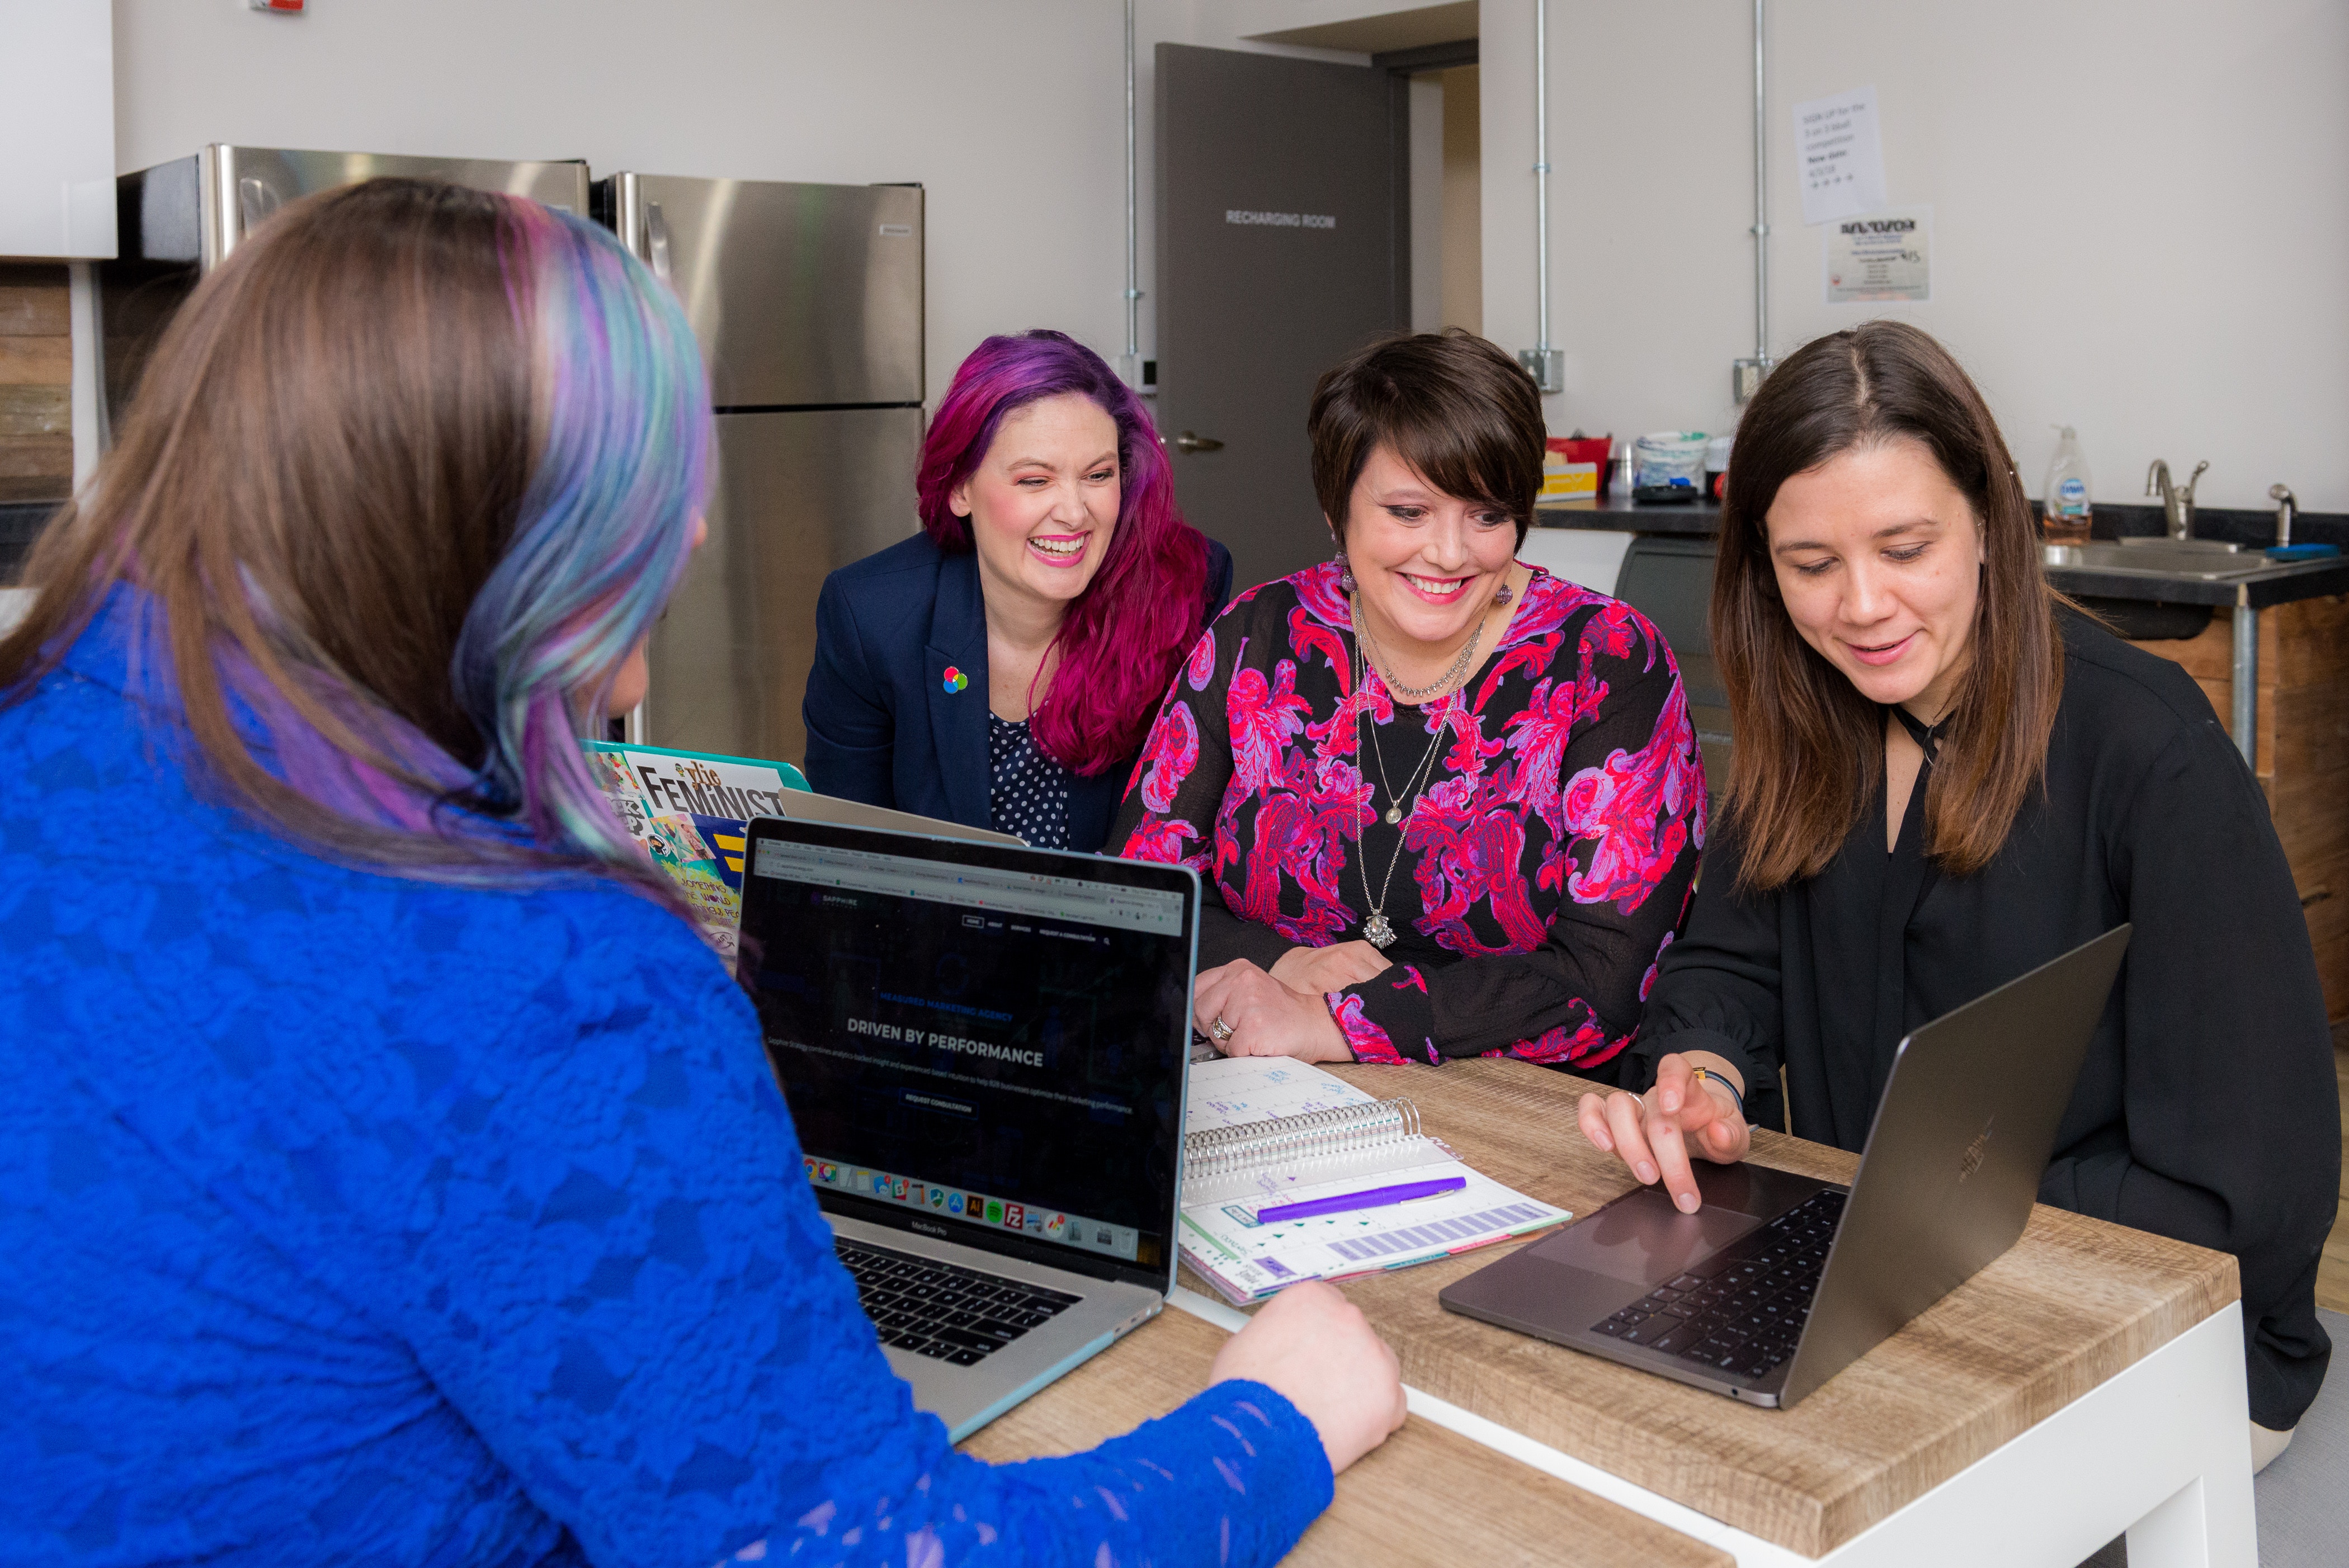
x=1503, y=596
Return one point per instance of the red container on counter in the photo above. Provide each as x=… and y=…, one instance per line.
x=1575, y=451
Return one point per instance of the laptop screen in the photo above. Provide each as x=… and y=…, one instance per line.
x=979, y=1041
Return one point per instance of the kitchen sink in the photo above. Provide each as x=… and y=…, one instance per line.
x=2209, y=560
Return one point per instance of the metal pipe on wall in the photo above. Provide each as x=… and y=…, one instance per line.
x=1745, y=375
x=1546, y=365
x=1760, y=184
x=1129, y=363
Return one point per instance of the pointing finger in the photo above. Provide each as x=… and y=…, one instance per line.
x=1672, y=1159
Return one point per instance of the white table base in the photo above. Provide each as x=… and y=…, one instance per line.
x=2161, y=1451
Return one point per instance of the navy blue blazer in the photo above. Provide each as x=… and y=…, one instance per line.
x=881, y=726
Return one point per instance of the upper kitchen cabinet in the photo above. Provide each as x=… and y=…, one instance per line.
x=56, y=127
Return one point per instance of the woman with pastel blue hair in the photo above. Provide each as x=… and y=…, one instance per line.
x=388, y=1172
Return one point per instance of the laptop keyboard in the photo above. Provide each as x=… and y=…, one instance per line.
x=1741, y=1312
x=956, y=1316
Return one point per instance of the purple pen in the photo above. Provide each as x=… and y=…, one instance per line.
x=1373, y=1198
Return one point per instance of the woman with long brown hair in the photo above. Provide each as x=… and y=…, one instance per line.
x=390, y=1174
x=1946, y=776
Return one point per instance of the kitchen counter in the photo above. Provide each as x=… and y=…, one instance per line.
x=1622, y=513
x=2280, y=583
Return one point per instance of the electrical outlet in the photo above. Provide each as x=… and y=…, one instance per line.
x=1545, y=366
x=1746, y=376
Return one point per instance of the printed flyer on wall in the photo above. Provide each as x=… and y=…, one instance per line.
x=1885, y=255
x=690, y=810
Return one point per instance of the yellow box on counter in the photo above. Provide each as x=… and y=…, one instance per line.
x=1568, y=482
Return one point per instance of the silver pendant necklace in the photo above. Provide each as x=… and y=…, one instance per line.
x=1376, y=928
x=1397, y=799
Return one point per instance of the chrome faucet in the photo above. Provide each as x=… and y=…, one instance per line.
x=2176, y=505
x=2287, y=504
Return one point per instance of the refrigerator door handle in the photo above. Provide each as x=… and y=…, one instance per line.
x=656, y=240
x=255, y=201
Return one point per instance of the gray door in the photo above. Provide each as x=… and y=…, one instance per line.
x=798, y=494
x=1278, y=207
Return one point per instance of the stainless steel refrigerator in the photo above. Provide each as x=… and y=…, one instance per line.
x=180, y=220
x=807, y=300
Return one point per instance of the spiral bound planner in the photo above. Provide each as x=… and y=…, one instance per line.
x=1290, y=1174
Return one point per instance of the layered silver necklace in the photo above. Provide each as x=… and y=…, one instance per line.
x=1376, y=928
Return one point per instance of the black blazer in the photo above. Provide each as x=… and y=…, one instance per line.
x=882, y=727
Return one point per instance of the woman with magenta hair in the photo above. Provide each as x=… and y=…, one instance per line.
x=999, y=669
x=1444, y=804
x=391, y=1175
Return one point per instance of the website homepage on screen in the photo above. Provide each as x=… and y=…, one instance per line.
x=999, y=1049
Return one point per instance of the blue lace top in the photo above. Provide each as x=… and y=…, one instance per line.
x=344, y=1218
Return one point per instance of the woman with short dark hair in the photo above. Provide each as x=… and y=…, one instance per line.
x=999, y=669
x=391, y=1174
x=1446, y=804
x=1945, y=777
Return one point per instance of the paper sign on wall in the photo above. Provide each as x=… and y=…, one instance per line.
x=1885, y=255
x=1840, y=156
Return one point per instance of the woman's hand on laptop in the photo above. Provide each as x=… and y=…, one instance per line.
x=1314, y=1348
x=1655, y=1133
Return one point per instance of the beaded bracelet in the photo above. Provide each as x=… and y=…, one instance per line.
x=1702, y=1074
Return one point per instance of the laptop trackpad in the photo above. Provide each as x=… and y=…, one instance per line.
x=1643, y=1239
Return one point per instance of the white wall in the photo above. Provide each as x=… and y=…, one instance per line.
x=2141, y=206
x=1011, y=113
x=2141, y=215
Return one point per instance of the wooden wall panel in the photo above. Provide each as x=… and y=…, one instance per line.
x=36, y=382
x=2302, y=755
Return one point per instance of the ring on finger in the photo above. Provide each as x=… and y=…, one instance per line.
x=1220, y=1030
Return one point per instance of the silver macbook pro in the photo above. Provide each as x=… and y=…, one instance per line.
x=806, y=806
x=1778, y=1282
x=983, y=1048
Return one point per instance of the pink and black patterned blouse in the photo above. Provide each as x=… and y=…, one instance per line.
x=1546, y=857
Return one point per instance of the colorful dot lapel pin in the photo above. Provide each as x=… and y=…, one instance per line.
x=955, y=681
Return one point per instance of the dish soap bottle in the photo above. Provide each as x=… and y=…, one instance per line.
x=2066, y=505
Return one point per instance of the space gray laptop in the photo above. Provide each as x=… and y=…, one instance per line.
x=983, y=1048
x=1778, y=1282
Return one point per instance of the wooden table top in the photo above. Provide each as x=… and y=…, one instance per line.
x=2075, y=1302
x=1426, y=1495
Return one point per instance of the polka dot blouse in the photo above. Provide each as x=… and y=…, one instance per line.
x=1028, y=792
